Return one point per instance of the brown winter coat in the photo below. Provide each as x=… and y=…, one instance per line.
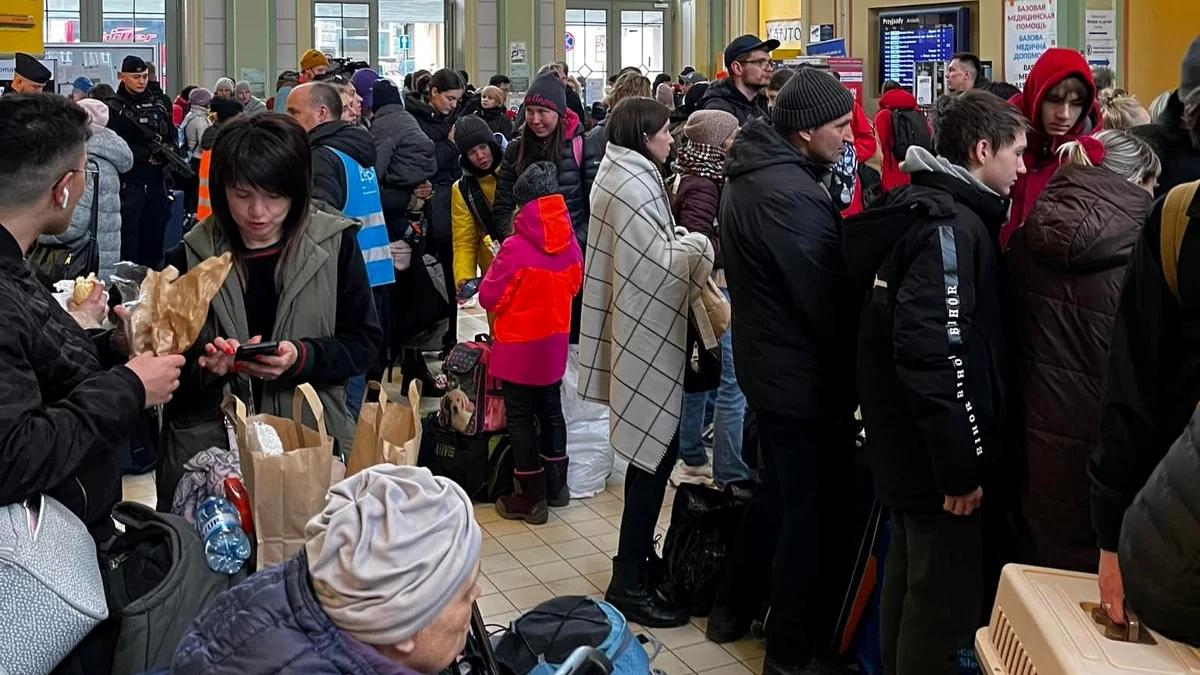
x=1068, y=263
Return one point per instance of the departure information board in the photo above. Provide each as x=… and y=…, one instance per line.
x=902, y=48
x=909, y=36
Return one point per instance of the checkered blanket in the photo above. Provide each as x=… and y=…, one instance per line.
x=641, y=272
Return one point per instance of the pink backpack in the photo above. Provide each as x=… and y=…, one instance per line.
x=473, y=402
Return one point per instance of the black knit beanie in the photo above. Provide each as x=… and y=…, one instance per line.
x=470, y=131
x=384, y=92
x=547, y=91
x=539, y=180
x=810, y=99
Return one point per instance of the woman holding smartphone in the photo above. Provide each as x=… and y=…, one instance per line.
x=298, y=281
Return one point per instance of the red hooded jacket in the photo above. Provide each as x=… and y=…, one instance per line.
x=896, y=99
x=864, y=149
x=529, y=286
x=1041, y=159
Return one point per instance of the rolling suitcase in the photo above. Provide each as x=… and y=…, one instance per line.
x=1042, y=623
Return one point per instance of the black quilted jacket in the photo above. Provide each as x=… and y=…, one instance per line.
x=62, y=414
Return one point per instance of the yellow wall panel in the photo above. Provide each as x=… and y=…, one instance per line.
x=1158, y=33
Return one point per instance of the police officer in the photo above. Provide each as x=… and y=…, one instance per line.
x=143, y=120
x=29, y=75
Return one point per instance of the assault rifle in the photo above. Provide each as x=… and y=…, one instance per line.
x=163, y=152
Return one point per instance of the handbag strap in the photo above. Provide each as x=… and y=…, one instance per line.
x=93, y=222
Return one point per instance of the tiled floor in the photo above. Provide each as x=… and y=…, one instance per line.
x=523, y=565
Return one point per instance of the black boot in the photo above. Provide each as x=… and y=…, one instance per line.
x=528, y=500
x=557, y=492
x=628, y=593
x=726, y=624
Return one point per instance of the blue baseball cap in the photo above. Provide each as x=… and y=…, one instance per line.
x=83, y=84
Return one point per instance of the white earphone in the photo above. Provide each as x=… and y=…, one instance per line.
x=66, y=197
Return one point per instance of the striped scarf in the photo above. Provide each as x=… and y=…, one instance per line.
x=706, y=161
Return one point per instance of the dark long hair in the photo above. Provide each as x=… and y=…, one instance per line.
x=269, y=152
x=633, y=121
x=533, y=149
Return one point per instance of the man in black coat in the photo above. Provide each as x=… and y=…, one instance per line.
x=317, y=106
x=1175, y=136
x=67, y=398
x=1151, y=386
x=743, y=93
x=137, y=114
x=930, y=373
x=793, y=336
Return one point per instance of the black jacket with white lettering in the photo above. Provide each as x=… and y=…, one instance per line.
x=931, y=346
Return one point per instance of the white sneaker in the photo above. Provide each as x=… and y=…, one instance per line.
x=696, y=475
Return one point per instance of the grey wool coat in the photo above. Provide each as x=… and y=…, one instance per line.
x=110, y=154
x=640, y=276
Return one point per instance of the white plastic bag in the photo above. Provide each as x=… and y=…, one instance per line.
x=587, y=436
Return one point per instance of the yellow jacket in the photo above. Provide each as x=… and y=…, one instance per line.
x=470, y=251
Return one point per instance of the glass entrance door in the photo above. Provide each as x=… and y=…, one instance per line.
x=643, y=40
x=586, y=42
x=604, y=36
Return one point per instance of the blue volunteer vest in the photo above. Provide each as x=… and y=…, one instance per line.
x=362, y=203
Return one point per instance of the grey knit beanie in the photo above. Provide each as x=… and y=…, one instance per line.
x=710, y=127
x=1189, y=72
x=200, y=96
x=393, y=547
x=810, y=99
x=539, y=180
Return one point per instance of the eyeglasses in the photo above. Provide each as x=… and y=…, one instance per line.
x=764, y=62
x=85, y=171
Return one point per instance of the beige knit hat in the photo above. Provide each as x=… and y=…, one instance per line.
x=394, y=545
x=710, y=127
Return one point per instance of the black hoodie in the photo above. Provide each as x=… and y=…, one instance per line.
x=723, y=95
x=930, y=350
x=437, y=127
x=794, y=328
x=329, y=174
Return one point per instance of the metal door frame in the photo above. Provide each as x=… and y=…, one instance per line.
x=613, y=28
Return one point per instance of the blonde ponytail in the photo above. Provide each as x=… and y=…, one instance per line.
x=1122, y=153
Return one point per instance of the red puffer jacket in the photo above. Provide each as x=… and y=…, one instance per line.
x=1067, y=266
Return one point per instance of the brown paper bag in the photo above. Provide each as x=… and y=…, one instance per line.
x=285, y=490
x=171, y=309
x=388, y=432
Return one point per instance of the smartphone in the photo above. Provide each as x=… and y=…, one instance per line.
x=248, y=352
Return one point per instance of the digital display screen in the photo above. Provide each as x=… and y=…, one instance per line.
x=903, y=48
x=907, y=36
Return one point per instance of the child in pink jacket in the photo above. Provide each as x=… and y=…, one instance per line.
x=529, y=287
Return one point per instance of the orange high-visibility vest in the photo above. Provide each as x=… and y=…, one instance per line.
x=203, y=203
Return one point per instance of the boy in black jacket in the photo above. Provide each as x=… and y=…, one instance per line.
x=930, y=373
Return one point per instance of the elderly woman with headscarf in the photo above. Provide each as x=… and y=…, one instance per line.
x=110, y=157
x=384, y=584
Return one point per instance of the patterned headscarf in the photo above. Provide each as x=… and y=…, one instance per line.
x=697, y=159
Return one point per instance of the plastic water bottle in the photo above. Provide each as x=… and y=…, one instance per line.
x=225, y=544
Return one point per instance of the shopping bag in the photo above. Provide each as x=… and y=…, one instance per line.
x=286, y=490
x=388, y=432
